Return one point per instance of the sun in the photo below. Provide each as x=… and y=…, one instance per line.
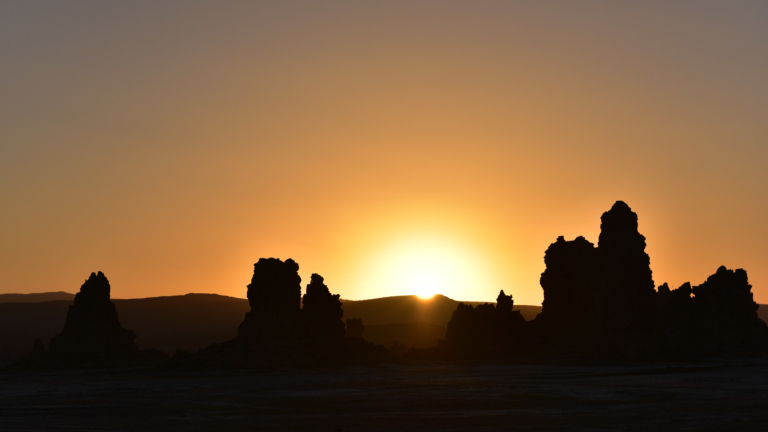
x=424, y=284
x=425, y=266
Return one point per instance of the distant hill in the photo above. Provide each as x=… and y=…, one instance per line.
x=36, y=297
x=413, y=321
x=189, y=322
x=412, y=309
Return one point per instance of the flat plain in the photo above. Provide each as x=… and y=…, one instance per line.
x=722, y=394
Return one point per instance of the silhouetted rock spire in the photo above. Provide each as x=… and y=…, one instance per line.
x=275, y=298
x=625, y=270
x=322, y=311
x=92, y=330
x=92, y=335
x=93, y=315
x=599, y=298
x=504, y=303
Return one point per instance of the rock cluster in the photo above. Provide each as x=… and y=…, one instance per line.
x=277, y=316
x=601, y=302
x=486, y=330
x=718, y=317
x=598, y=299
x=279, y=331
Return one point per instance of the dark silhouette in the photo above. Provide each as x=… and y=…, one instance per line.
x=194, y=321
x=275, y=298
x=322, y=312
x=601, y=302
x=714, y=318
x=277, y=316
x=278, y=331
x=92, y=335
x=486, y=330
x=355, y=328
x=598, y=299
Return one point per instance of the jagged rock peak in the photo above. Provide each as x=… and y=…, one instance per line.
x=96, y=288
x=504, y=302
x=322, y=311
x=317, y=285
x=618, y=224
x=274, y=270
x=727, y=289
x=663, y=288
x=92, y=311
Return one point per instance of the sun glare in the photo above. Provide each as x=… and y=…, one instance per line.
x=425, y=267
x=424, y=284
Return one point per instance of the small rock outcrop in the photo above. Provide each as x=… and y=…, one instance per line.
x=486, y=330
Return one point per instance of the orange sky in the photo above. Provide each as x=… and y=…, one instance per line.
x=173, y=144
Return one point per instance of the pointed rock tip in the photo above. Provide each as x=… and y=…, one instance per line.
x=620, y=214
x=620, y=206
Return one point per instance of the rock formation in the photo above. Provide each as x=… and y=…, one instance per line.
x=486, y=330
x=601, y=302
x=599, y=299
x=92, y=335
x=625, y=271
x=275, y=298
x=322, y=312
x=718, y=317
x=278, y=331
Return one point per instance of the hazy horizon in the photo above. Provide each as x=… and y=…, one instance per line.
x=245, y=298
x=390, y=147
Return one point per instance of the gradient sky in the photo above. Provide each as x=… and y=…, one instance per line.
x=381, y=144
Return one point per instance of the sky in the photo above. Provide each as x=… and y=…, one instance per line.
x=392, y=147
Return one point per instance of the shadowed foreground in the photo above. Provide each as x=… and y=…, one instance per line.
x=712, y=395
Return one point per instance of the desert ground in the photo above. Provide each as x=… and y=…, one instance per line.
x=720, y=394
